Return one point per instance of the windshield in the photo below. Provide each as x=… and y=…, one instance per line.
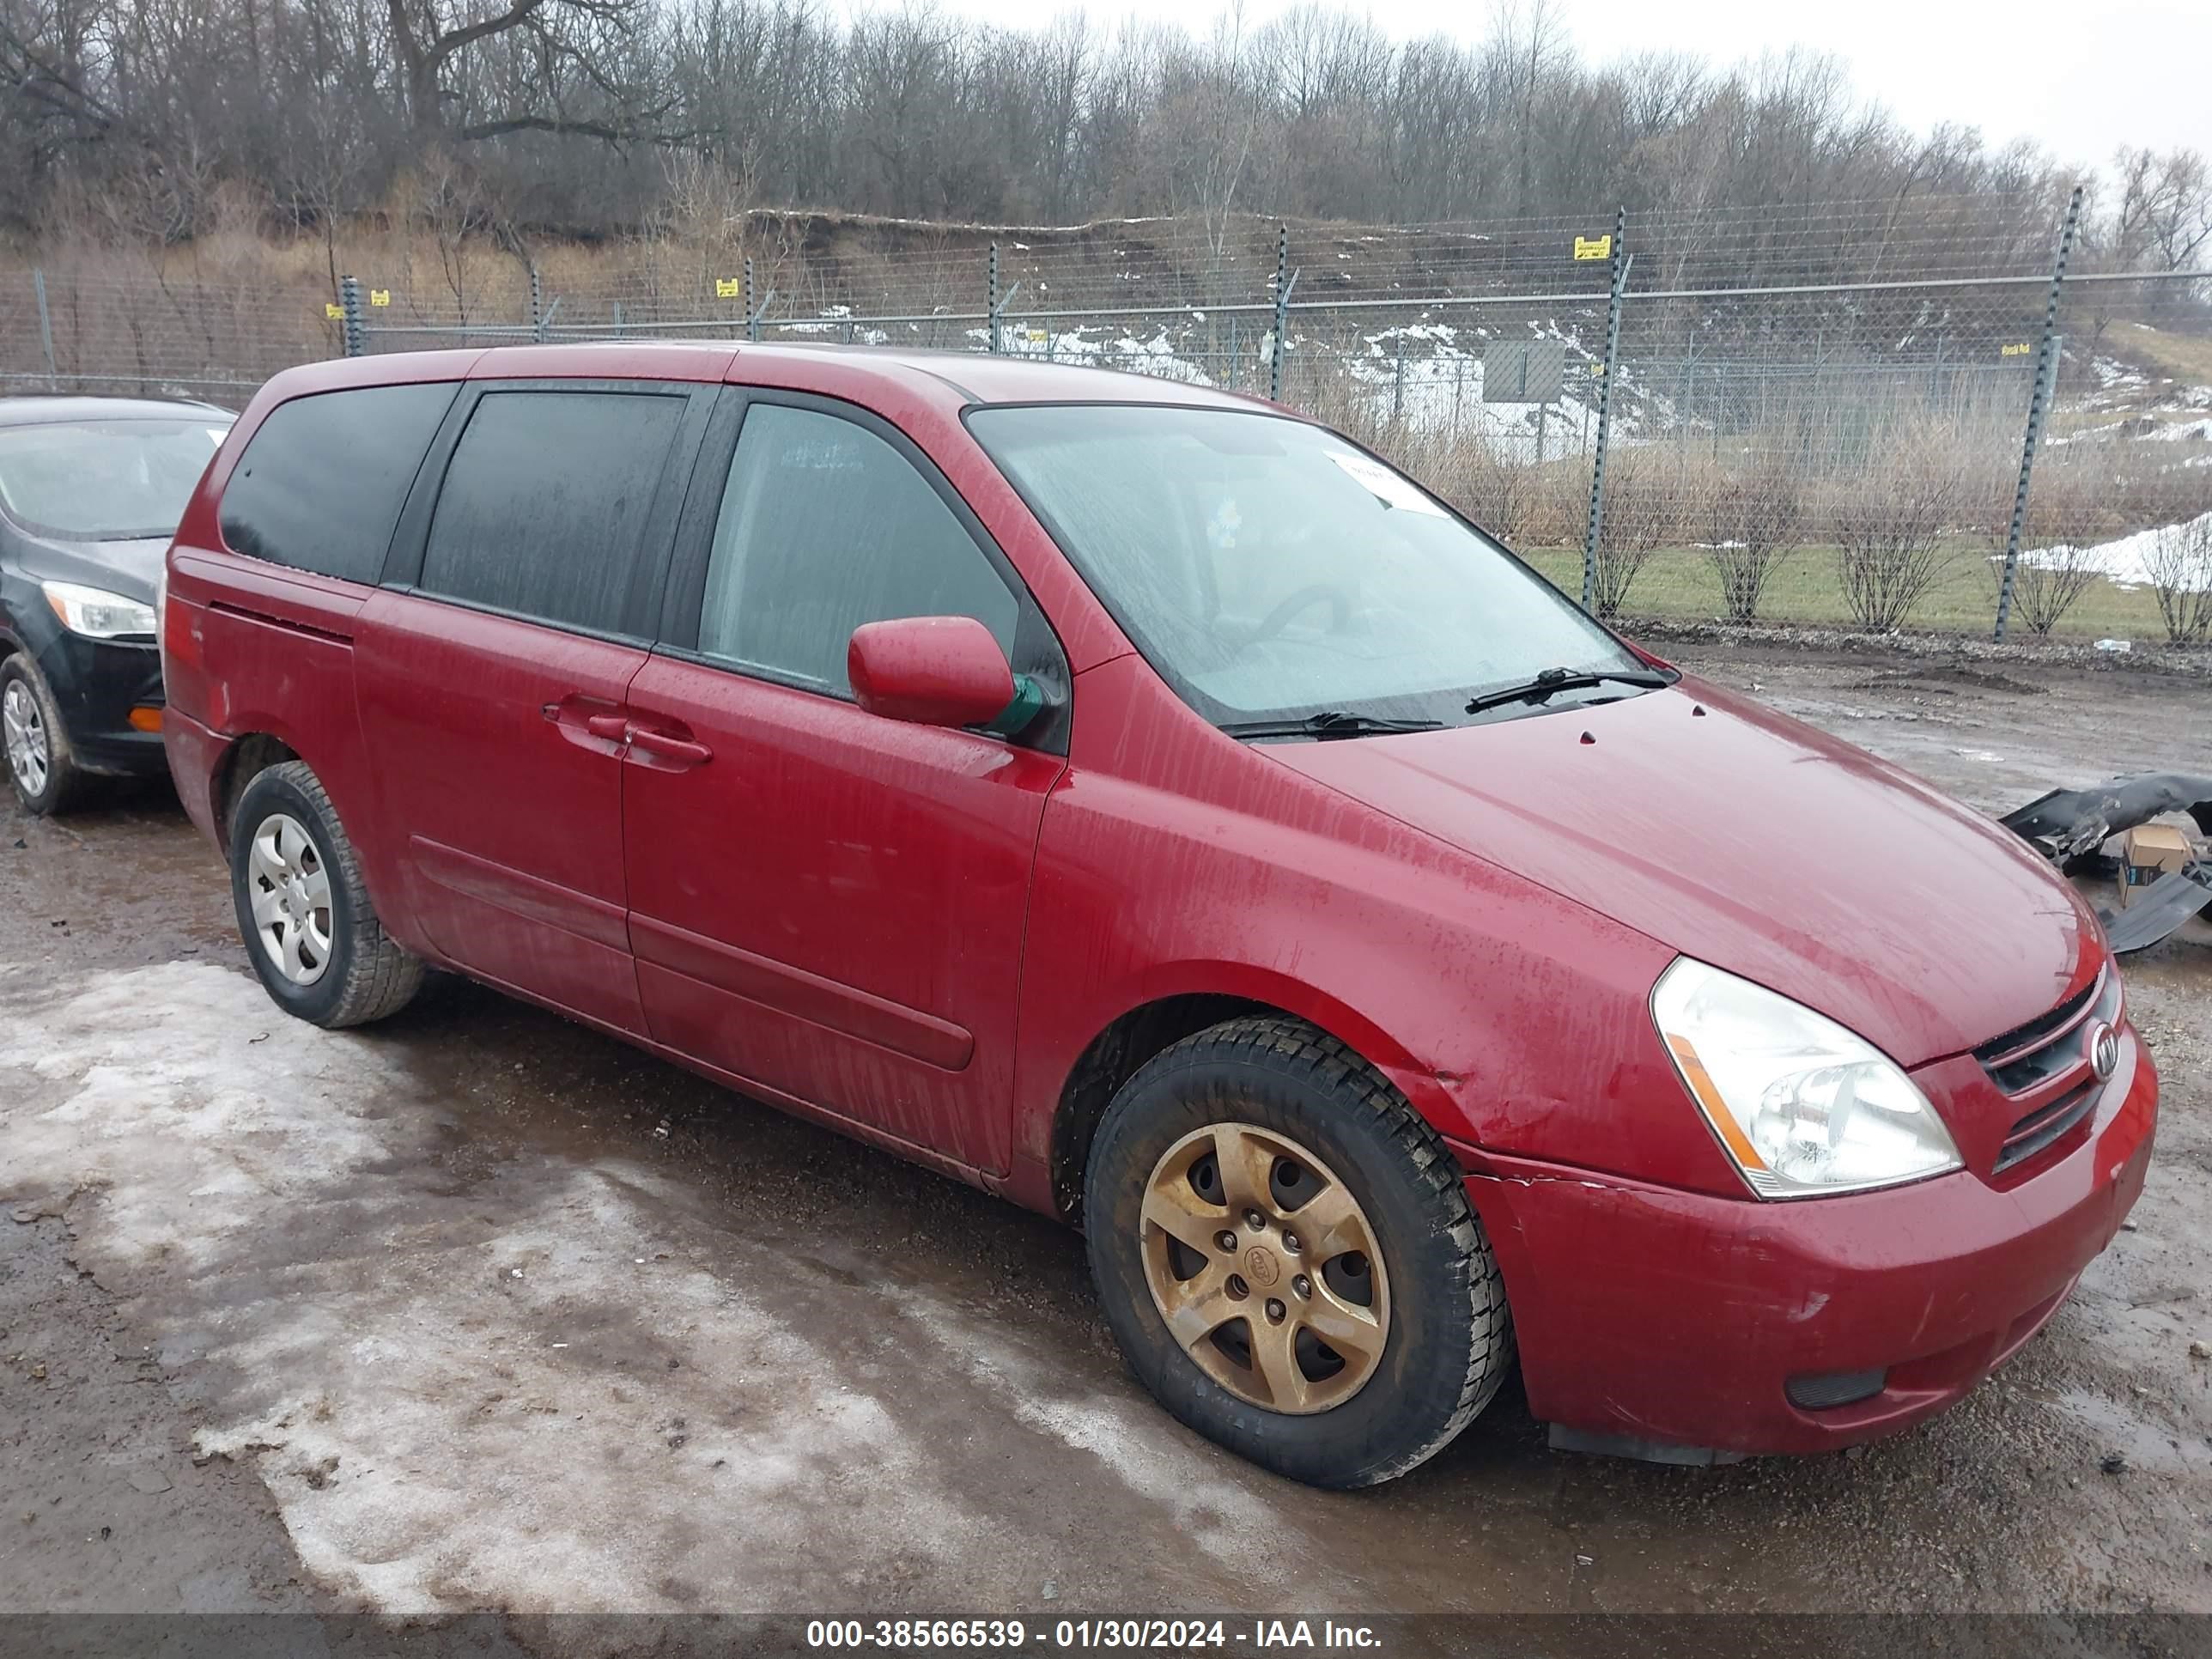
x=1269, y=570
x=105, y=481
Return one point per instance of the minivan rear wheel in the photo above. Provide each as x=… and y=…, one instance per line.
x=33, y=743
x=1287, y=1257
x=312, y=933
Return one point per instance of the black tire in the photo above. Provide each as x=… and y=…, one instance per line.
x=63, y=786
x=366, y=976
x=1450, y=1339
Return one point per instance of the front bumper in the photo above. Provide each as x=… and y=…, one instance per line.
x=96, y=683
x=1667, y=1318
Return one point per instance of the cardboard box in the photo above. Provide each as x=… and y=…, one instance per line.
x=2148, y=852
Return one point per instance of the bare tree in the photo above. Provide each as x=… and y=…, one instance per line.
x=324, y=107
x=431, y=40
x=2163, y=219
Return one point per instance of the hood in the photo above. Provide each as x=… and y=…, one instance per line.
x=129, y=568
x=1739, y=836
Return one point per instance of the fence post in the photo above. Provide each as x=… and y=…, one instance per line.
x=2039, y=401
x=1281, y=340
x=1595, y=524
x=991, y=295
x=349, y=302
x=537, y=306
x=745, y=299
x=46, y=323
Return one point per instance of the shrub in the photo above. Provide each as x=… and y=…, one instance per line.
x=1640, y=510
x=2179, y=564
x=1753, y=518
x=2059, y=557
x=1889, y=528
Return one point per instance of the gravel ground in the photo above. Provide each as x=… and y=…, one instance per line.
x=479, y=1311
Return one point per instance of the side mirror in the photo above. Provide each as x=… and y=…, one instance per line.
x=929, y=670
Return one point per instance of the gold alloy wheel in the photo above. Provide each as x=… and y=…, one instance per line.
x=1265, y=1268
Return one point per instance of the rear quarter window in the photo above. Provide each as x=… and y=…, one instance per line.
x=322, y=481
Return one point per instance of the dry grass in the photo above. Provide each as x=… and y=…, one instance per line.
x=2187, y=358
x=1679, y=585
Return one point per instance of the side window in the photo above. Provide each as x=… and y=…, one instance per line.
x=824, y=526
x=543, y=507
x=322, y=480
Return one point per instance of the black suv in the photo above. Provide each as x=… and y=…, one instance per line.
x=90, y=492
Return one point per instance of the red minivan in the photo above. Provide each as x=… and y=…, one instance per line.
x=1143, y=803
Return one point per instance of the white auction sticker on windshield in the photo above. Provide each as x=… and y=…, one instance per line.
x=1386, y=486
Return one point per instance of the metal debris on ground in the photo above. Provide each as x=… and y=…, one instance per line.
x=2069, y=825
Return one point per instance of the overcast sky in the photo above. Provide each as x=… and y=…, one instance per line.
x=2078, y=76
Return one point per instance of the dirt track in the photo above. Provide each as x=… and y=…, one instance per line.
x=480, y=1310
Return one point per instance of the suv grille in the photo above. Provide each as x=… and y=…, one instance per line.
x=2050, y=1051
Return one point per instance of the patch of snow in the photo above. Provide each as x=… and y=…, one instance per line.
x=675, y=1409
x=2183, y=431
x=2125, y=562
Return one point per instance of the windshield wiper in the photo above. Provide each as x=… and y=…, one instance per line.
x=1329, y=723
x=1565, y=679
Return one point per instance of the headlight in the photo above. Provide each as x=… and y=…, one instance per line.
x=97, y=614
x=1802, y=1106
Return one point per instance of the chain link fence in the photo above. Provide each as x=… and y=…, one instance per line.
x=1930, y=415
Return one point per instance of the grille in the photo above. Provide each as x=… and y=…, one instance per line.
x=2039, y=1129
x=2049, y=1050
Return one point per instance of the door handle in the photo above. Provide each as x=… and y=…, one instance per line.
x=588, y=721
x=667, y=745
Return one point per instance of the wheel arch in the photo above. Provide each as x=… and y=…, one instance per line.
x=244, y=759
x=1148, y=1027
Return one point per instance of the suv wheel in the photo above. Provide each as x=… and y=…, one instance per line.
x=1288, y=1259
x=45, y=778
x=313, y=936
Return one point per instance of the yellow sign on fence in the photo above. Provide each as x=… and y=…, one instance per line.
x=727, y=288
x=1593, y=247
x=2015, y=348
x=336, y=313
x=379, y=296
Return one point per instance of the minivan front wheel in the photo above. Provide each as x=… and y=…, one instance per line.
x=1287, y=1257
x=313, y=938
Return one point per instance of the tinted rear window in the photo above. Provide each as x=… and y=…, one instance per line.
x=544, y=505
x=321, y=485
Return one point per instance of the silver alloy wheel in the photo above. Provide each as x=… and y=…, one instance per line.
x=29, y=756
x=291, y=892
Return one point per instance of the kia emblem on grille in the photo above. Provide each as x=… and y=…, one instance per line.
x=2104, y=1051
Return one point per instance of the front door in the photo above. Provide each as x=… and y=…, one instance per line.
x=492, y=672
x=823, y=902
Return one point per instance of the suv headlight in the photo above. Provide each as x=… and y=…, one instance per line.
x=1802, y=1106
x=96, y=614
